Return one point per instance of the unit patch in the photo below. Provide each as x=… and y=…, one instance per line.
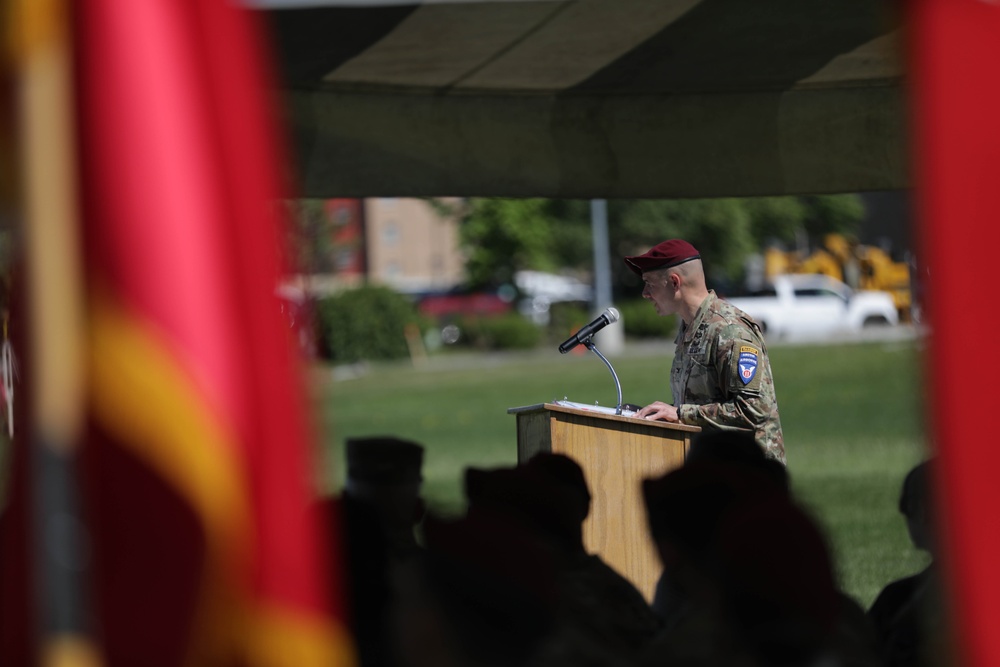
x=747, y=366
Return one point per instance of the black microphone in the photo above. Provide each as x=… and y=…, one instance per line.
x=609, y=316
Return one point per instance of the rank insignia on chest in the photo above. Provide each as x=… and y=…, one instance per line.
x=747, y=365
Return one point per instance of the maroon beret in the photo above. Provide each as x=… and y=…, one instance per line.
x=662, y=256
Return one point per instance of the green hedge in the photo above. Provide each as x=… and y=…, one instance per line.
x=367, y=323
x=638, y=317
x=641, y=320
x=565, y=319
x=511, y=331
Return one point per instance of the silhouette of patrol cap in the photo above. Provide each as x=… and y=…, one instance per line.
x=384, y=460
x=662, y=256
x=532, y=494
x=565, y=476
x=685, y=505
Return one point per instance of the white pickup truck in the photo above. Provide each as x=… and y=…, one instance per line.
x=796, y=305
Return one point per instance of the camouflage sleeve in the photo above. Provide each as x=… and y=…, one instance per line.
x=745, y=386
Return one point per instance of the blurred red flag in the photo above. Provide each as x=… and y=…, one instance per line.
x=954, y=63
x=193, y=456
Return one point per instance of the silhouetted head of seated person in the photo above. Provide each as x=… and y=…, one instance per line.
x=908, y=615
x=776, y=582
x=564, y=477
x=599, y=612
x=741, y=558
x=479, y=594
x=736, y=449
x=548, y=494
x=385, y=473
x=684, y=508
x=916, y=506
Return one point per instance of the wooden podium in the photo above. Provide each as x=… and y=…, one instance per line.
x=616, y=454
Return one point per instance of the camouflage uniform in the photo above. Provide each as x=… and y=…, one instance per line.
x=721, y=376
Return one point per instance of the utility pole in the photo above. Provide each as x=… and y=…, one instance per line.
x=611, y=339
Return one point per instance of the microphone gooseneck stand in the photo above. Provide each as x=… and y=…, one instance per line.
x=589, y=344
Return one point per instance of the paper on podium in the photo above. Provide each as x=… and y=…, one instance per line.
x=595, y=408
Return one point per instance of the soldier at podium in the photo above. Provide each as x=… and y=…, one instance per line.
x=721, y=376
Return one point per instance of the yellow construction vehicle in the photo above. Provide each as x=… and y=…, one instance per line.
x=862, y=267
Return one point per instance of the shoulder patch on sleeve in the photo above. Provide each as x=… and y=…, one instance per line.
x=747, y=364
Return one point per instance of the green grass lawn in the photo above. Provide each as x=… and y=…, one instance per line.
x=851, y=414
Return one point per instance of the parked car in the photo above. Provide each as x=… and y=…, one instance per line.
x=811, y=304
x=457, y=303
x=552, y=286
x=540, y=290
x=449, y=308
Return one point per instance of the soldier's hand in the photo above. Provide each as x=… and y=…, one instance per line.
x=658, y=410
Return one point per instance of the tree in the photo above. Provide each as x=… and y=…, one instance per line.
x=833, y=214
x=776, y=219
x=503, y=236
x=719, y=228
x=573, y=242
